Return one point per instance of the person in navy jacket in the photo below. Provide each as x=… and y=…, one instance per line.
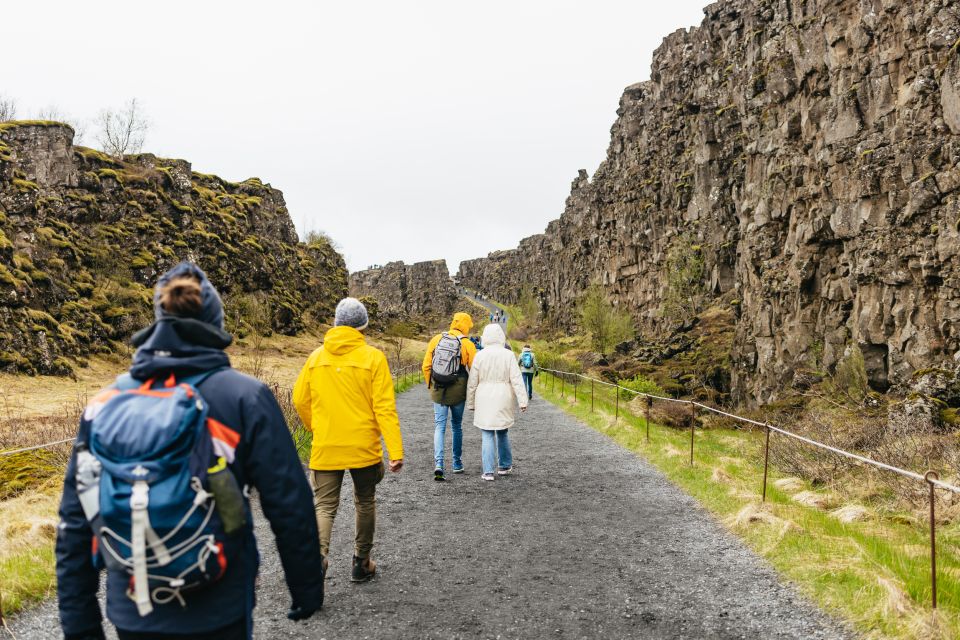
x=186, y=339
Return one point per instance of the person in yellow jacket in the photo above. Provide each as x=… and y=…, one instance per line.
x=344, y=396
x=449, y=397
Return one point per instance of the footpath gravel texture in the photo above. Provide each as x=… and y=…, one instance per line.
x=584, y=540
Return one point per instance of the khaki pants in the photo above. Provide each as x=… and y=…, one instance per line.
x=326, y=499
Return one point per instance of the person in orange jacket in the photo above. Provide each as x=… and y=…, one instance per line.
x=345, y=397
x=453, y=352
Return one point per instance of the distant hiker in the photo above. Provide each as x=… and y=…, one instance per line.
x=344, y=396
x=446, y=366
x=529, y=368
x=492, y=316
x=494, y=391
x=154, y=491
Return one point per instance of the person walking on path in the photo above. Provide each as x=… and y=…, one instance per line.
x=227, y=421
x=529, y=368
x=494, y=390
x=345, y=397
x=446, y=366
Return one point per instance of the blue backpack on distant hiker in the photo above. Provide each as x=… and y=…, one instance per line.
x=526, y=360
x=154, y=484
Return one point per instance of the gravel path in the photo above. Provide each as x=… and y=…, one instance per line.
x=584, y=540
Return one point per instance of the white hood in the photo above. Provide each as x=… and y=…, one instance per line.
x=493, y=336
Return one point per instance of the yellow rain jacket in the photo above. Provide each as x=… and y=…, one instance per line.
x=457, y=392
x=344, y=396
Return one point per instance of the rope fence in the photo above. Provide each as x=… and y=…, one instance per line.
x=931, y=477
x=397, y=375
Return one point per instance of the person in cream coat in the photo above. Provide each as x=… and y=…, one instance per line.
x=494, y=392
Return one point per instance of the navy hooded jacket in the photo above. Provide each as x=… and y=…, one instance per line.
x=265, y=460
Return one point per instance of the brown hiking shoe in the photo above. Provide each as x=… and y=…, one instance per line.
x=363, y=569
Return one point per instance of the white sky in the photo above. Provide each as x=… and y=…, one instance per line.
x=406, y=130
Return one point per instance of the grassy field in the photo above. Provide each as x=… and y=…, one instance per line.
x=857, y=560
x=45, y=409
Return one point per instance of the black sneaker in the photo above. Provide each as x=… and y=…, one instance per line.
x=438, y=475
x=363, y=569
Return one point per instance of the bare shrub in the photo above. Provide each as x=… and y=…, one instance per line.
x=302, y=438
x=30, y=469
x=867, y=435
x=8, y=108
x=670, y=414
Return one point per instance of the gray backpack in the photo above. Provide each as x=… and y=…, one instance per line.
x=446, y=361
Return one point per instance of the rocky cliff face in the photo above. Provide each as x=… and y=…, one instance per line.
x=805, y=154
x=419, y=291
x=83, y=238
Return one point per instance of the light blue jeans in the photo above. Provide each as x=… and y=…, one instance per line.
x=496, y=444
x=440, y=412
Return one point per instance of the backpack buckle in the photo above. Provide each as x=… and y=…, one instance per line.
x=140, y=496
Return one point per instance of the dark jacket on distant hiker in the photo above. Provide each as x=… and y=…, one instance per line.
x=265, y=459
x=455, y=393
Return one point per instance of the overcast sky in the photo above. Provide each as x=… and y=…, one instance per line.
x=406, y=130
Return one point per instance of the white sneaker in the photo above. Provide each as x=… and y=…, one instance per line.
x=504, y=472
x=487, y=476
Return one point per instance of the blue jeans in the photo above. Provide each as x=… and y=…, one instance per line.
x=440, y=428
x=528, y=383
x=496, y=444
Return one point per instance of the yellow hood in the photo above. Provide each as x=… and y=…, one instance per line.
x=342, y=340
x=462, y=322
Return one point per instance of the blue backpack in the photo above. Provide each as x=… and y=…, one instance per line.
x=526, y=359
x=150, y=481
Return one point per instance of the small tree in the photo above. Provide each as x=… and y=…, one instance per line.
x=685, y=271
x=399, y=334
x=606, y=324
x=528, y=304
x=123, y=131
x=8, y=109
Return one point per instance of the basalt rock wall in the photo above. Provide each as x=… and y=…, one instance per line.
x=416, y=291
x=83, y=237
x=807, y=151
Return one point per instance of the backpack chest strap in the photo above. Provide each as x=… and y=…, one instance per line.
x=141, y=535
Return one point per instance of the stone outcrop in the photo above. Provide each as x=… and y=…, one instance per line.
x=806, y=153
x=83, y=237
x=416, y=291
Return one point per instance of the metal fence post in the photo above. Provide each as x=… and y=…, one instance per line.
x=616, y=417
x=929, y=477
x=575, y=391
x=693, y=422
x=563, y=387
x=766, y=463
x=553, y=382
x=591, y=395
x=647, y=416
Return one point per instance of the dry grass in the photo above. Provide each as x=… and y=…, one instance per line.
x=816, y=500
x=851, y=513
x=789, y=485
x=27, y=532
x=36, y=410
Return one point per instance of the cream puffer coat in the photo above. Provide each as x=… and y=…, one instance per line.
x=495, y=388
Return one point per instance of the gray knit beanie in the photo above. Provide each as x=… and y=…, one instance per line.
x=351, y=313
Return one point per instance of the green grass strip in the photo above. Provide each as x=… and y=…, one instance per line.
x=874, y=573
